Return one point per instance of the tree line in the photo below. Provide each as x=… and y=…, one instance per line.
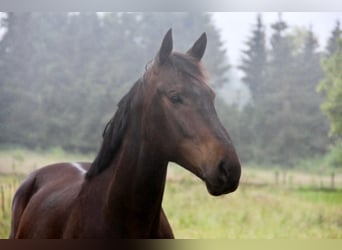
x=284, y=119
x=62, y=75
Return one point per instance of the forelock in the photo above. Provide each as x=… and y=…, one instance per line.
x=187, y=65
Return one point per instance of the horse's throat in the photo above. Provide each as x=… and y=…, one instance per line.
x=136, y=189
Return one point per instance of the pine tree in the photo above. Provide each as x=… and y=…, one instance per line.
x=280, y=45
x=289, y=111
x=254, y=68
x=274, y=127
x=17, y=101
x=332, y=42
x=63, y=74
x=331, y=86
x=308, y=118
x=254, y=60
x=187, y=27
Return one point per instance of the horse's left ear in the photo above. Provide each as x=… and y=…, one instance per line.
x=197, y=50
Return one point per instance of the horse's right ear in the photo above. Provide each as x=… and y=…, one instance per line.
x=197, y=50
x=165, y=48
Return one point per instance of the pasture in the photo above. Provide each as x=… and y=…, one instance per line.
x=268, y=203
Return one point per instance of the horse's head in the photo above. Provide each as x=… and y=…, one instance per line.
x=181, y=117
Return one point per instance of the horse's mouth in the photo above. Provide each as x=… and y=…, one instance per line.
x=221, y=189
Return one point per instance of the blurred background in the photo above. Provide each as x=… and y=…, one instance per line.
x=278, y=79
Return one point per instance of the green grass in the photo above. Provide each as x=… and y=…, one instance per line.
x=252, y=212
x=298, y=205
x=328, y=196
x=8, y=185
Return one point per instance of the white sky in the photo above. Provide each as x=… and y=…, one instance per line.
x=235, y=27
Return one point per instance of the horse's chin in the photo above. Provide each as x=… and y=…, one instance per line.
x=217, y=190
x=215, y=185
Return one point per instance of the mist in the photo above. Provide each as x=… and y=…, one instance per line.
x=62, y=75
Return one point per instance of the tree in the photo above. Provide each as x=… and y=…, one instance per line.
x=17, y=51
x=286, y=122
x=332, y=41
x=187, y=27
x=254, y=60
x=63, y=74
x=331, y=86
x=311, y=124
x=254, y=65
x=274, y=124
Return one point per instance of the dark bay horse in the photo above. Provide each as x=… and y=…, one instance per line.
x=168, y=115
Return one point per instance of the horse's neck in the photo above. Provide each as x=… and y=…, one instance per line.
x=136, y=189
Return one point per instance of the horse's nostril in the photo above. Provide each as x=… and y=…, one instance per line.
x=224, y=172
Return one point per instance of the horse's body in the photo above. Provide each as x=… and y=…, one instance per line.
x=168, y=115
x=68, y=212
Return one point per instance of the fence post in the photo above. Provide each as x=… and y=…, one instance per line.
x=333, y=180
x=276, y=177
x=284, y=178
x=291, y=181
x=2, y=200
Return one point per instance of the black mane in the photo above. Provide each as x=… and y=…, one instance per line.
x=113, y=134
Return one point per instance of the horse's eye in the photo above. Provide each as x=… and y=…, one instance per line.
x=176, y=99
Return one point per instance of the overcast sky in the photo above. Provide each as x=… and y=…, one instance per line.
x=235, y=27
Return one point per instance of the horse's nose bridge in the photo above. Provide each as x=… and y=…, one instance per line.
x=227, y=153
x=217, y=149
x=215, y=141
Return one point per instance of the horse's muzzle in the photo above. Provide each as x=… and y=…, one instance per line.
x=224, y=179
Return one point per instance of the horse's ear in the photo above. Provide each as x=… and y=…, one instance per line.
x=197, y=50
x=165, y=48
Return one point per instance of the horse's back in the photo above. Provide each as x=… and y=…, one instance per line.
x=42, y=203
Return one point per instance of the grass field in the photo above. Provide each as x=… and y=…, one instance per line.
x=254, y=211
x=268, y=204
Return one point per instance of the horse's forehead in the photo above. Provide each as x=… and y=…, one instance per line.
x=174, y=77
x=196, y=85
x=177, y=78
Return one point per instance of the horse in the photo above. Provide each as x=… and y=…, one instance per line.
x=167, y=116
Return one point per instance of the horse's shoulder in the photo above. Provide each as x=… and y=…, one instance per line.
x=64, y=169
x=59, y=175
